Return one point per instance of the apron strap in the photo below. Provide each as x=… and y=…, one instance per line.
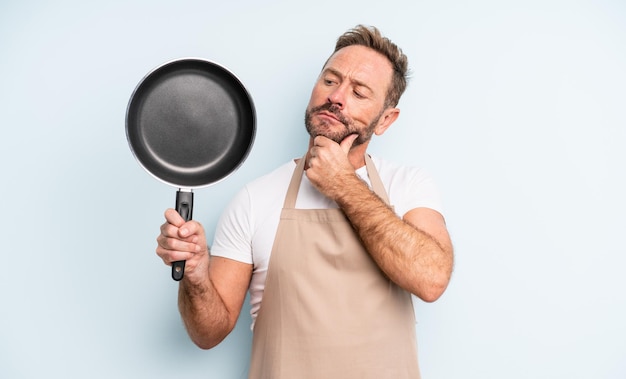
x=294, y=185
x=377, y=183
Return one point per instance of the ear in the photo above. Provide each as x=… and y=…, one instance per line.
x=388, y=117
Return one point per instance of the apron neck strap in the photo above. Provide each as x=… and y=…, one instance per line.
x=377, y=183
x=294, y=185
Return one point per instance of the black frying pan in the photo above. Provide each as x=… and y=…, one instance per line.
x=190, y=123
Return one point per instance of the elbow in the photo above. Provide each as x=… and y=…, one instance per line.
x=431, y=295
x=433, y=290
x=437, y=283
x=204, y=345
x=206, y=342
x=208, y=337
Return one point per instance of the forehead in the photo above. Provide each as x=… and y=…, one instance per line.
x=361, y=65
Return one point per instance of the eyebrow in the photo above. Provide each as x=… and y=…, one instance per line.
x=355, y=81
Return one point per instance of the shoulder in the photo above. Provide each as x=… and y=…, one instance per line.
x=408, y=186
x=266, y=191
x=262, y=190
x=281, y=173
x=270, y=185
x=395, y=173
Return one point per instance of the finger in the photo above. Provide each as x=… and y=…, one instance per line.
x=322, y=141
x=169, y=256
x=174, y=218
x=346, y=143
x=169, y=231
x=191, y=229
x=174, y=244
x=184, y=228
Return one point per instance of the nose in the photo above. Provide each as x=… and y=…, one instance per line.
x=337, y=96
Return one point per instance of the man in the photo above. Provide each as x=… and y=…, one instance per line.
x=330, y=246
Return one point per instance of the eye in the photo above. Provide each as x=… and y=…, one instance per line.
x=358, y=94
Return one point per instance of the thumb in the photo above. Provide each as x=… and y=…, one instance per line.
x=347, y=142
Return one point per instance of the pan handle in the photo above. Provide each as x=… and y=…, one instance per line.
x=184, y=207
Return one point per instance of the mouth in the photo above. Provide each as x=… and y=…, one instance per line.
x=329, y=116
x=330, y=113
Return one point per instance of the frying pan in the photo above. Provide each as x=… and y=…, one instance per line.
x=190, y=123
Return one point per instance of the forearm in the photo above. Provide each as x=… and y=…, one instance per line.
x=410, y=257
x=205, y=316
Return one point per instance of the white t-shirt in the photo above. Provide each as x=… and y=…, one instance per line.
x=248, y=225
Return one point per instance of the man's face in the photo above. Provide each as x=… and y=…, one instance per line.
x=349, y=95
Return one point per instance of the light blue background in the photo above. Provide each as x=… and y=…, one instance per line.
x=516, y=107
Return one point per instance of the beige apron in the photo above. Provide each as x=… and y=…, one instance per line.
x=328, y=312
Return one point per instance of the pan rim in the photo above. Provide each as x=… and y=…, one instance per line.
x=251, y=136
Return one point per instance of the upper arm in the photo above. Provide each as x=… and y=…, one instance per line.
x=231, y=279
x=432, y=223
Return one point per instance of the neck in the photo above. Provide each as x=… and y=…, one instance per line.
x=356, y=156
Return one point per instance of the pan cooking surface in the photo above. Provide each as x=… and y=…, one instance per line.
x=190, y=123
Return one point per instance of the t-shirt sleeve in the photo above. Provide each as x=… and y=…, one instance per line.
x=233, y=232
x=418, y=191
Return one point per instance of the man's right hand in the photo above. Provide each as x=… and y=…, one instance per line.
x=182, y=240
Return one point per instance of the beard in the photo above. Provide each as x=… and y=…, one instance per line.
x=322, y=128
